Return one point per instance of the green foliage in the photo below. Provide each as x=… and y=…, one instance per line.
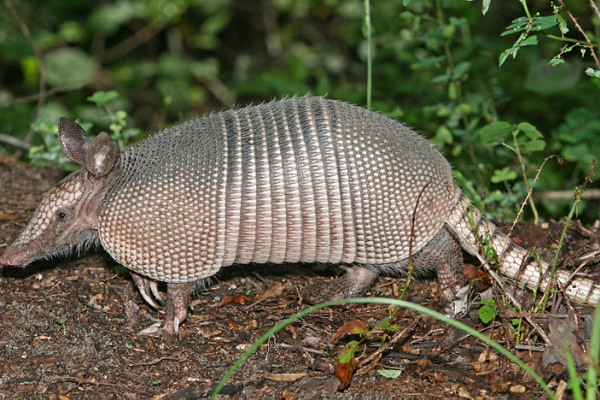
x=487, y=311
x=348, y=351
x=434, y=66
x=50, y=151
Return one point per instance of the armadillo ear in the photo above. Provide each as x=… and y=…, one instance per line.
x=73, y=140
x=101, y=155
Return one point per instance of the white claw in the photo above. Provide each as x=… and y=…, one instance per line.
x=155, y=292
x=176, y=323
x=151, y=330
x=148, y=298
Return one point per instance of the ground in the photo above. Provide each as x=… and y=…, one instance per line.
x=69, y=329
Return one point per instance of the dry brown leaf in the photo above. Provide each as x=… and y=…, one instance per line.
x=345, y=371
x=294, y=331
x=240, y=299
x=487, y=362
x=423, y=363
x=274, y=291
x=349, y=328
x=285, y=377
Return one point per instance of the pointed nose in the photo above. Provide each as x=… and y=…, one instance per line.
x=14, y=255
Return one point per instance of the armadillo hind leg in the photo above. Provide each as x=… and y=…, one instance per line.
x=355, y=282
x=442, y=256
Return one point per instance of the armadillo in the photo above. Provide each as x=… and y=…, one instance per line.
x=305, y=179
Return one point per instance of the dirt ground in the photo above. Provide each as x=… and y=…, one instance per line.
x=68, y=329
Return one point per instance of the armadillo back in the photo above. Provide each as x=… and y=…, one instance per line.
x=304, y=179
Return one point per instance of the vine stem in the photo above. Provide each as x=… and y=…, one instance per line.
x=369, y=52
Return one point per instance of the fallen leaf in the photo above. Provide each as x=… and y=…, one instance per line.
x=487, y=362
x=251, y=326
x=285, y=377
x=349, y=328
x=294, y=331
x=344, y=372
x=561, y=333
x=240, y=299
x=518, y=388
x=423, y=363
x=8, y=217
x=389, y=373
x=274, y=291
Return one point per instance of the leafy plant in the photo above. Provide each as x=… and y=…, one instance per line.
x=50, y=151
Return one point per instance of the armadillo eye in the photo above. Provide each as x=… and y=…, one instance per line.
x=61, y=216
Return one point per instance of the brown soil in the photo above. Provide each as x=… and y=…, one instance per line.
x=68, y=329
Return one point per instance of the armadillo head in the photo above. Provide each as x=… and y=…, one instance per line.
x=67, y=216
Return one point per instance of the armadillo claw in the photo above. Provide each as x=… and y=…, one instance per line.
x=155, y=292
x=151, y=330
x=143, y=284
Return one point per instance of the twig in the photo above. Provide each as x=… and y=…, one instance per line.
x=567, y=194
x=578, y=194
x=562, y=3
x=393, y=341
x=595, y=8
x=49, y=92
x=133, y=41
x=529, y=194
x=42, y=72
x=13, y=141
x=153, y=362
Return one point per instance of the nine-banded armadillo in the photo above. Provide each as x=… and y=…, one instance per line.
x=300, y=180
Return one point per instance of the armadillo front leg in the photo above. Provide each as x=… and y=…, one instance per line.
x=178, y=300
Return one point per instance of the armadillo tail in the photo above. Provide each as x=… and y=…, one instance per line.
x=484, y=240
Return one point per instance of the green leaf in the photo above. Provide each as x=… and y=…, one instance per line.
x=517, y=25
x=384, y=324
x=69, y=67
x=503, y=56
x=535, y=145
x=530, y=130
x=594, y=73
x=461, y=69
x=543, y=23
x=443, y=78
x=485, y=6
x=487, y=312
x=348, y=352
x=503, y=175
x=529, y=41
x=496, y=131
x=389, y=373
x=102, y=98
x=562, y=24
